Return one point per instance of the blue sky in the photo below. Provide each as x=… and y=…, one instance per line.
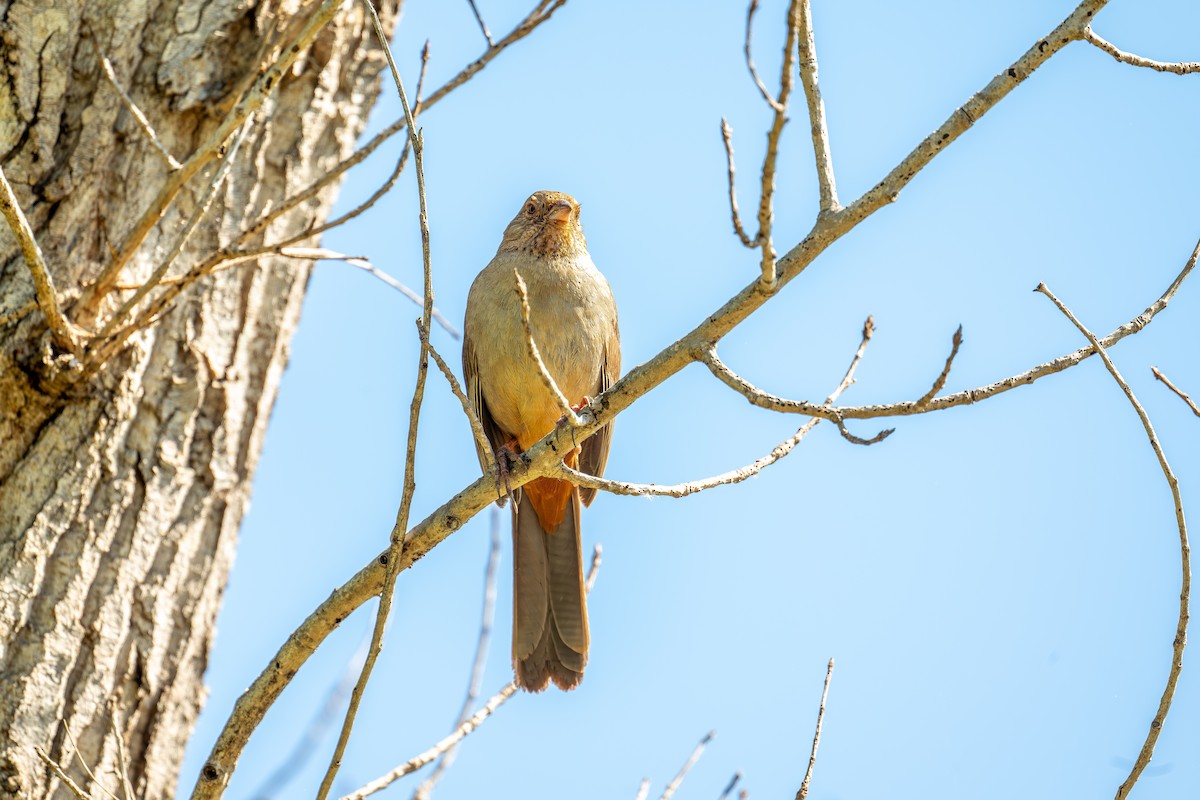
x=998, y=583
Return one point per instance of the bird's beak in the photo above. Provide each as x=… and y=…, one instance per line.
x=560, y=212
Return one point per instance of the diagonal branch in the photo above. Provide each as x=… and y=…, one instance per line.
x=1182, y=394
x=540, y=13
x=487, y=35
x=137, y=114
x=43, y=283
x=481, y=440
x=266, y=81
x=1177, y=67
x=535, y=355
x=812, y=757
x=732, y=476
x=1185, y=589
x=940, y=383
x=673, y=786
x=816, y=111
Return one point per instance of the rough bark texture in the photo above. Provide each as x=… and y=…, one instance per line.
x=120, y=503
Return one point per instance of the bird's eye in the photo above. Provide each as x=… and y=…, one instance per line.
x=530, y=209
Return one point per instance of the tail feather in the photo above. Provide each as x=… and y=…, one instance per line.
x=550, y=630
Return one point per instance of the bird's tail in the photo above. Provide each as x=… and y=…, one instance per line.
x=550, y=628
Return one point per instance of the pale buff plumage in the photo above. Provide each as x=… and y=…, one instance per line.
x=574, y=323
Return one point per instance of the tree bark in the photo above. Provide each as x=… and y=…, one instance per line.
x=120, y=499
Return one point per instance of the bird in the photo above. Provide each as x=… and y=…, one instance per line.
x=573, y=321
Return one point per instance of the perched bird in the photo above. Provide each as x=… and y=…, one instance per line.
x=574, y=323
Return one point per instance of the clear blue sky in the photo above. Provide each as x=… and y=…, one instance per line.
x=998, y=583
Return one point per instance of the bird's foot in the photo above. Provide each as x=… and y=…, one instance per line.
x=506, y=455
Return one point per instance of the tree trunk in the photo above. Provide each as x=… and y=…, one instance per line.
x=120, y=499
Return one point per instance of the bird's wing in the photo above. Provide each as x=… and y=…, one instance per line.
x=474, y=390
x=595, y=449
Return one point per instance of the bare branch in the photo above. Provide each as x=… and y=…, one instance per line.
x=594, y=570
x=87, y=770
x=940, y=382
x=197, y=214
x=532, y=349
x=137, y=114
x=482, y=645
x=673, y=786
x=762, y=87
x=19, y=313
x=540, y=459
x=766, y=210
x=418, y=761
x=456, y=736
x=482, y=25
x=852, y=439
x=122, y=760
x=816, y=111
x=812, y=758
x=266, y=80
x=727, y=136
x=725, y=478
x=540, y=13
x=729, y=787
x=1185, y=589
x=1177, y=67
x=75, y=788
x=43, y=283
x=362, y=207
x=1182, y=394
x=396, y=547
x=643, y=790
x=481, y=440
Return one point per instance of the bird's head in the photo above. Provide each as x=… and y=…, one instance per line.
x=547, y=225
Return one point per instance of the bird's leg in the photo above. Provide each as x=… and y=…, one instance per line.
x=506, y=455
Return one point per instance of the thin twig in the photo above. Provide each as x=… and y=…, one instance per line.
x=643, y=790
x=727, y=137
x=812, y=757
x=420, y=760
x=729, y=787
x=594, y=570
x=540, y=13
x=265, y=82
x=396, y=546
x=816, y=112
x=673, y=786
x=43, y=283
x=19, y=313
x=940, y=382
x=291, y=765
x=732, y=476
x=133, y=109
x=87, y=770
x=762, y=87
x=766, y=208
x=1185, y=589
x=481, y=440
x=75, y=788
x=482, y=645
x=181, y=240
x=1182, y=394
x=122, y=760
x=1177, y=67
x=535, y=354
x=482, y=25
x=367, y=204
